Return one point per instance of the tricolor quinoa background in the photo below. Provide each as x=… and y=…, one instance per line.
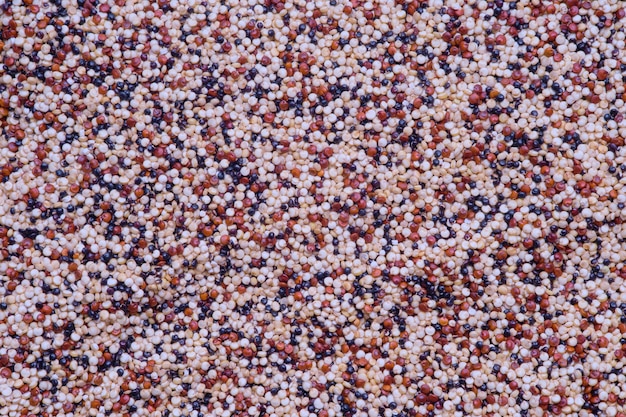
x=320, y=208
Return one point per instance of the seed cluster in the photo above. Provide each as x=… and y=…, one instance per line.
x=317, y=208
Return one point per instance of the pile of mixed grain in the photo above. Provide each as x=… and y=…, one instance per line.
x=330, y=208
